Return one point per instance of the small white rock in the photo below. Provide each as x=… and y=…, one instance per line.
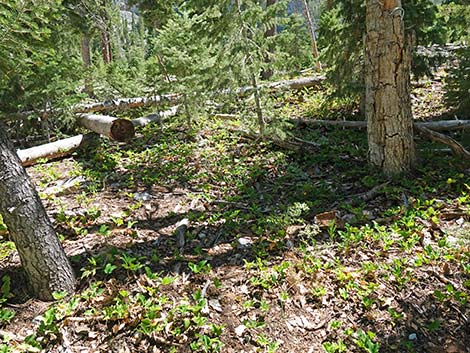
x=240, y=329
x=412, y=337
x=245, y=241
x=142, y=196
x=215, y=304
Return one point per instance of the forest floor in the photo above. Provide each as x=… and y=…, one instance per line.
x=203, y=240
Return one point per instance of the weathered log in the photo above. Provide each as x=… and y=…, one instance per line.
x=442, y=125
x=110, y=105
x=457, y=148
x=445, y=125
x=293, y=84
x=53, y=150
x=117, y=129
x=172, y=99
x=155, y=118
x=127, y=103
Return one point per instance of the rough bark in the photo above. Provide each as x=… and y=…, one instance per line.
x=388, y=104
x=117, y=129
x=311, y=32
x=53, y=150
x=45, y=263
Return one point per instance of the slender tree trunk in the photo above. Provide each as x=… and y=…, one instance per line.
x=311, y=32
x=85, y=48
x=45, y=263
x=387, y=101
x=86, y=57
x=259, y=109
x=267, y=71
x=105, y=47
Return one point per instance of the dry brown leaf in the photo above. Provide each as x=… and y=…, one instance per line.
x=326, y=219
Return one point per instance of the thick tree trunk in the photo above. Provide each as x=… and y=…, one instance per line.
x=388, y=104
x=45, y=263
x=311, y=32
x=117, y=129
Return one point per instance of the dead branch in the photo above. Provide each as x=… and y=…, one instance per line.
x=442, y=125
x=368, y=195
x=296, y=144
x=456, y=147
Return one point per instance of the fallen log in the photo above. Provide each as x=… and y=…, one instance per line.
x=457, y=148
x=442, y=125
x=293, y=84
x=106, y=106
x=127, y=103
x=172, y=99
x=53, y=150
x=155, y=118
x=117, y=129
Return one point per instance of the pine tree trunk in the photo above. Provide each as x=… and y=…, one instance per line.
x=105, y=47
x=85, y=48
x=387, y=101
x=86, y=57
x=267, y=72
x=45, y=263
x=311, y=32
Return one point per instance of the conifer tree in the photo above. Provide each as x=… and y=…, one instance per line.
x=341, y=34
x=28, y=56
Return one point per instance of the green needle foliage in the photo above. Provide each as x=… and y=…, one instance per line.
x=341, y=34
x=208, y=49
x=37, y=63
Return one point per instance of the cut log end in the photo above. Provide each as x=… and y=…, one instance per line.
x=122, y=130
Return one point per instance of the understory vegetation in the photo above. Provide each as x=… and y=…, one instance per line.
x=205, y=240
x=236, y=222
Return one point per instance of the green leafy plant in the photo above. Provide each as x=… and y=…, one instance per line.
x=365, y=341
x=202, y=266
